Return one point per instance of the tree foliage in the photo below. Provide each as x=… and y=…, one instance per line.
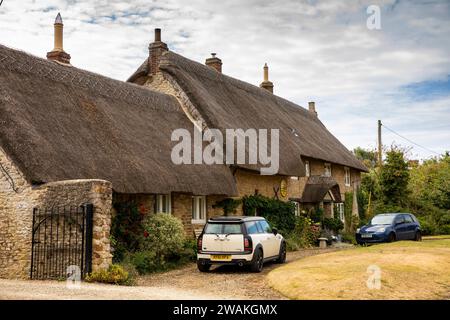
x=394, y=179
x=367, y=156
x=423, y=190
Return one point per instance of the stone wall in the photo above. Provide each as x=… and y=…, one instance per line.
x=17, y=200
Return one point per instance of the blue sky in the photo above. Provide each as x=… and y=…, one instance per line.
x=316, y=50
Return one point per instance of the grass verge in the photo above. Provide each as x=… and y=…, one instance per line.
x=409, y=270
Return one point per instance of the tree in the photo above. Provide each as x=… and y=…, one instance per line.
x=430, y=194
x=367, y=156
x=394, y=178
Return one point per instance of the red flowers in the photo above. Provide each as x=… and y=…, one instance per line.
x=146, y=234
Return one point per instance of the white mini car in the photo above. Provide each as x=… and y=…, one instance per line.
x=241, y=241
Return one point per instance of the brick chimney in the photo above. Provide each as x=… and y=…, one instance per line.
x=58, y=53
x=266, y=84
x=214, y=62
x=312, y=107
x=156, y=49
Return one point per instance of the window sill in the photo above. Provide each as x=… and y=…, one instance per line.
x=198, y=221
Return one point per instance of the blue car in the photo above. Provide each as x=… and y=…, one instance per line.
x=389, y=227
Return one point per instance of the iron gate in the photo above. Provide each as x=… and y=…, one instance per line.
x=62, y=237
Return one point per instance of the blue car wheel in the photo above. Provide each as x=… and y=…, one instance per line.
x=391, y=237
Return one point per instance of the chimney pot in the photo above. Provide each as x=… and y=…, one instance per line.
x=156, y=50
x=214, y=62
x=312, y=107
x=266, y=84
x=157, y=35
x=58, y=54
x=58, y=19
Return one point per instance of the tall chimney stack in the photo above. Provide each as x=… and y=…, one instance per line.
x=266, y=84
x=58, y=53
x=312, y=107
x=214, y=62
x=156, y=49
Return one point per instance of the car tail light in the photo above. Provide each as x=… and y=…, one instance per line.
x=199, y=243
x=248, y=245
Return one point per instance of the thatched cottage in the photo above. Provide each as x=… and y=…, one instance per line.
x=72, y=142
x=315, y=168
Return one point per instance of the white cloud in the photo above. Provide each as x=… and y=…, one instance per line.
x=316, y=50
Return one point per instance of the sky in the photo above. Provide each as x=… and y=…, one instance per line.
x=320, y=51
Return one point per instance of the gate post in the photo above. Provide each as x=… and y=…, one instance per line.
x=89, y=212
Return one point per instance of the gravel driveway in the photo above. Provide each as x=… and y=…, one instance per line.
x=224, y=282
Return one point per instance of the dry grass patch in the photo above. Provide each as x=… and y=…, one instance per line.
x=409, y=270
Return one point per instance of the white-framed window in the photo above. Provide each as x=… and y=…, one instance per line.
x=347, y=177
x=327, y=170
x=163, y=203
x=307, y=169
x=198, y=209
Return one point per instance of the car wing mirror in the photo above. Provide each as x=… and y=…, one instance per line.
x=275, y=231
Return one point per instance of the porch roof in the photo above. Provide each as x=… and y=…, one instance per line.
x=317, y=187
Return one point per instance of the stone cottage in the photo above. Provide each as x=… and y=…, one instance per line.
x=73, y=142
x=68, y=138
x=315, y=168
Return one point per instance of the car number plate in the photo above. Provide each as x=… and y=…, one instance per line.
x=220, y=257
x=366, y=235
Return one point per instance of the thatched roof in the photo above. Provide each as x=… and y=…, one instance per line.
x=225, y=102
x=59, y=122
x=317, y=187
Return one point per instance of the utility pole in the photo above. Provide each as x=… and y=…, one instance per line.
x=380, y=146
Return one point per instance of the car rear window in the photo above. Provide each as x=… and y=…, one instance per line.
x=223, y=228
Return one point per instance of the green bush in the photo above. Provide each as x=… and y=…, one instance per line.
x=144, y=261
x=163, y=235
x=304, y=234
x=316, y=214
x=444, y=229
x=115, y=274
x=190, y=249
x=427, y=227
x=334, y=224
x=348, y=237
x=163, y=245
x=126, y=230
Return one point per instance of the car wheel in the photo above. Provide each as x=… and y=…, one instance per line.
x=258, y=261
x=418, y=236
x=391, y=237
x=282, y=255
x=203, y=267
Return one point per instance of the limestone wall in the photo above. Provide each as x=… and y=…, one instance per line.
x=17, y=200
